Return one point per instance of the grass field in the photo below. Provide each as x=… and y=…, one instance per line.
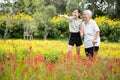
x=48, y=60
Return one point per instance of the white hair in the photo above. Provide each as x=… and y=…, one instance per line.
x=88, y=12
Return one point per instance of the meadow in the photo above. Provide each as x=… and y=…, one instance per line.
x=48, y=60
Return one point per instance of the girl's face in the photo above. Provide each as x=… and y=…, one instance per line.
x=75, y=13
x=85, y=17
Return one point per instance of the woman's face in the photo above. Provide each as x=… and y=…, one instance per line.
x=75, y=13
x=86, y=17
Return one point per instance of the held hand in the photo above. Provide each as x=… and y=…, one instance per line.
x=94, y=42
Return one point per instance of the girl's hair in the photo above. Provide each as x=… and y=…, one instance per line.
x=79, y=11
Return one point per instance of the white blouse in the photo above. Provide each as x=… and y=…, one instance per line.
x=74, y=25
x=89, y=31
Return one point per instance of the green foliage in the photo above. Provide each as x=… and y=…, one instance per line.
x=28, y=6
x=71, y=4
x=42, y=12
x=59, y=5
x=115, y=33
x=51, y=57
x=16, y=24
x=109, y=29
x=43, y=20
x=61, y=27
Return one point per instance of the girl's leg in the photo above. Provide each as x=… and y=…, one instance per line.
x=78, y=50
x=70, y=49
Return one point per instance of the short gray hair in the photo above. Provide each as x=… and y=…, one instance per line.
x=88, y=12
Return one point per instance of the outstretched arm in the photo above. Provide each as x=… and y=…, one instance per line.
x=65, y=16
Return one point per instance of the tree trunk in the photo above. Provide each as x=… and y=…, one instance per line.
x=6, y=31
x=45, y=33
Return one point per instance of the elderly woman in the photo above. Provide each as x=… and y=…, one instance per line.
x=90, y=30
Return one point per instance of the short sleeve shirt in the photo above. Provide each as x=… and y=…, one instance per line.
x=74, y=24
x=90, y=30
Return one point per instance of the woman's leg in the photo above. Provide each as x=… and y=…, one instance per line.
x=95, y=50
x=89, y=52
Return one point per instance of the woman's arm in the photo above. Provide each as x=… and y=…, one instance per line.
x=97, y=32
x=95, y=38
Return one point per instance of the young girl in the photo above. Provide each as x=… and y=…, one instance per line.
x=74, y=28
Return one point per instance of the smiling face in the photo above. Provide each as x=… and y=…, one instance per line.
x=76, y=14
x=86, y=17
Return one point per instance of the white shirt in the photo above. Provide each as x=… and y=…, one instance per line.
x=74, y=24
x=89, y=31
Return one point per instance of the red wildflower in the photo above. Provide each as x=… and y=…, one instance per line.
x=110, y=67
x=12, y=58
x=30, y=47
x=89, y=63
x=38, y=59
x=50, y=66
x=101, y=76
x=63, y=54
x=77, y=58
x=27, y=61
x=15, y=66
x=35, y=61
x=69, y=56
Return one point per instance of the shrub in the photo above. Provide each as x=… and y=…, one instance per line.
x=109, y=29
x=15, y=24
x=61, y=27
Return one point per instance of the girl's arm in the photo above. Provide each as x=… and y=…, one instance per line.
x=81, y=32
x=65, y=16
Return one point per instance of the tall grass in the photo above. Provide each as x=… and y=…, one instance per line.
x=48, y=60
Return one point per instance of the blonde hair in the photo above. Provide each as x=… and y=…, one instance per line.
x=88, y=12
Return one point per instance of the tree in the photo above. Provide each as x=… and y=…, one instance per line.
x=117, y=15
x=102, y=7
x=71, y=4
x=60, y=5
x=43, y=20
x=7, y=9
x=110, y=8
x=28, y=6
x=11, y=9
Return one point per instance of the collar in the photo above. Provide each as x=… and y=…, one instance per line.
x=88, y=21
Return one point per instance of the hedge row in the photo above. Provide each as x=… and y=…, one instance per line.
x=109, y=29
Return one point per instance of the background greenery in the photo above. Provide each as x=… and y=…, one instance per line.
x=40, y=17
